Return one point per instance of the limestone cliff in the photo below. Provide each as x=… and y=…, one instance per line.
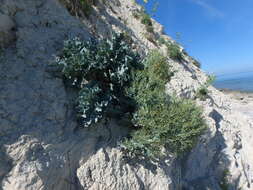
x=41, y=146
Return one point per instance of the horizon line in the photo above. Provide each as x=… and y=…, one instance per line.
x=235, y=73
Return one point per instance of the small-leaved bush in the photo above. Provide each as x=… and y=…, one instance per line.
x=174, y=51
x=210, y=80
x=150, y=37
x=113, y=82
x=100, y=70
x=161, y=41
x=127, y=37
x=86, y=6
x=202, y=92
x=196, y=63
x=79, y=7
x=146, y=20
x=163, y=123
x=136, y=14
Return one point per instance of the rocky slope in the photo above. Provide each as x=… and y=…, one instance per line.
x=41, y=146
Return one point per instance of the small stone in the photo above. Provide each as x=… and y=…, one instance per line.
x=7, y=34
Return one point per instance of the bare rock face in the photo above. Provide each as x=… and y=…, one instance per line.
x=224, y=148
x=107, y=170
x=7, y=26
x=41, y=146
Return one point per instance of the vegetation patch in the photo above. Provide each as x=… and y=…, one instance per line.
x=150, y=37
x=146, y=20
x=127, y=37
x=224, y=184
x=202, y=92
x=114, y=83
x=196, y=63
x=100, y=70
x=136, y=14
x=161, y=41
x=174, y=51
x=79, y=7
x=210, y=79
x=163, y=123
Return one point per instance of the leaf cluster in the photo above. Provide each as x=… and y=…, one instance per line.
x=196, y=63
x=113, y=82
x=161, y=41
x=146, y=20
x=162, y=122
x=173, y=49
x=202, y=92
x=101, y=70
x=79, y=7
x=224, y=183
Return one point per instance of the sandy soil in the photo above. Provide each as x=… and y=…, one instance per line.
x=245, y=101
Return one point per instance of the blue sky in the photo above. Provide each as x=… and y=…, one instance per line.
x=219, y=33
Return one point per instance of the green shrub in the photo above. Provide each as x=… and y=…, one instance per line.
x=211, y=79
x=196, y=63
x=146, y=20
x=113, y=82
x=101, y=71
x=224, y=184
x=157, y=67
x=86, y=6
x=150, y=29
x=162, y=122
x=161, y=41
x=202, y=93
x=127, y=37
x=136, y=14
x=91, y=103
x=150, y=37
x=79, y=7
x=174, y=51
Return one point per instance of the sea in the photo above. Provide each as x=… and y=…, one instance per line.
x=239, y=81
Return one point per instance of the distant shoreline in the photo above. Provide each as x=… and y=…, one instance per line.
x=245, y=96
x=241, y=83
x=245, y=101
x=226, y=90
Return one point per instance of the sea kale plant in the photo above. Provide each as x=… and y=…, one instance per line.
x=101, y=70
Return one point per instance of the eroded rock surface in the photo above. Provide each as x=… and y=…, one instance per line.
x=41, y=146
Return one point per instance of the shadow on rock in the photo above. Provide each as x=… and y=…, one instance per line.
x=205, y=167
